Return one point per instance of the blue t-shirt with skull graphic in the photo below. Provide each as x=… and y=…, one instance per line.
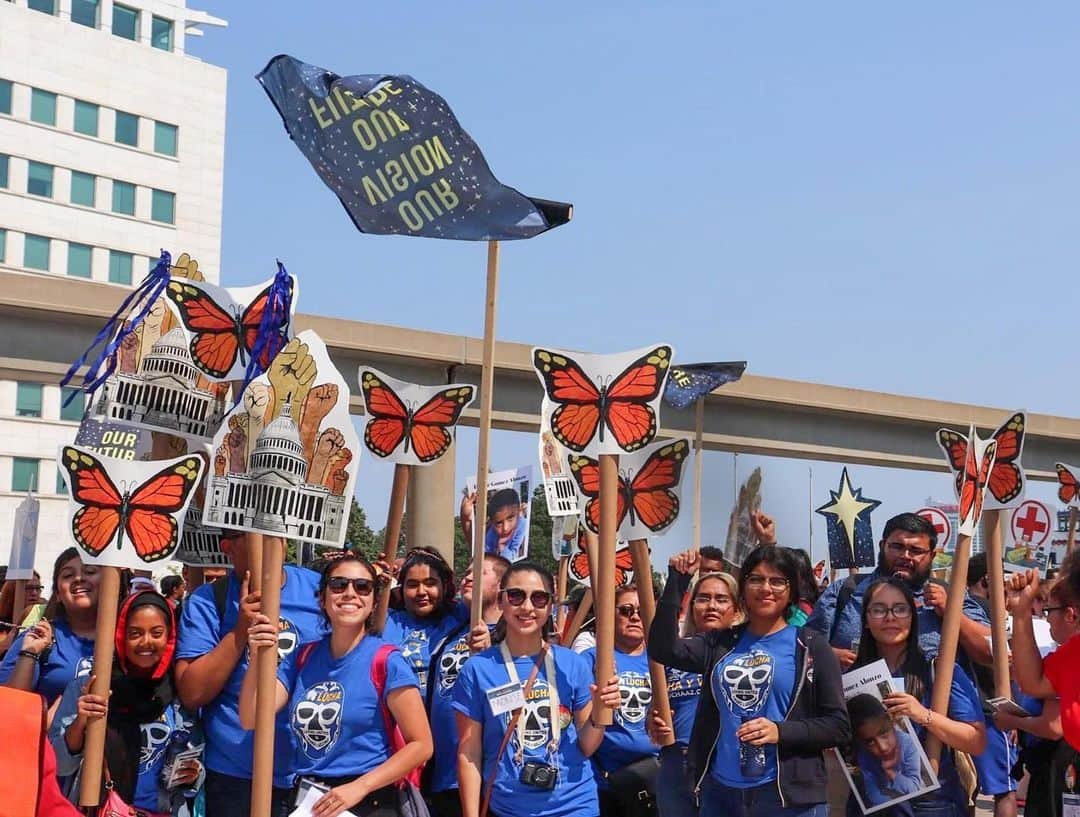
x=574, y=794
x=626, y=739
x=229, y=747
x=334, y=714
x=684, y=689
x=755, y=680
x=419, y=638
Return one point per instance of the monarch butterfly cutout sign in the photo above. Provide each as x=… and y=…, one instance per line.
x=1069, y=494
x=1005, y=483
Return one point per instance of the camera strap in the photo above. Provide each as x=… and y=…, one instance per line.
x=548, y=661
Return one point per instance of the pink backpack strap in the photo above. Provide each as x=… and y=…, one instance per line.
x=305, y=653
x=397, y=740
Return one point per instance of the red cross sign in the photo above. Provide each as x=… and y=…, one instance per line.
x=1031, y=522
x=937, y=518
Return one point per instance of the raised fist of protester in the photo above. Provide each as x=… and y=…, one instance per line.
x=764, y=528
x=292, y=374
x=1025, y=587
x=262, y=633
x=934, y=595
x=468, y=506
x=758, y=732
x=608, y=695
x=686, y=562
x=902, y=705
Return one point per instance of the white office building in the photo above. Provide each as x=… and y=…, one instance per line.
x=112, y=147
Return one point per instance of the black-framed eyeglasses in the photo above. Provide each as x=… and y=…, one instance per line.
x=361, y=586
x=628, y=610
x=36, y=587
x=880, y=612
x=757, y=582
x=1048, y=610
x=704, y=599
x=899, y=548
x=516, y=597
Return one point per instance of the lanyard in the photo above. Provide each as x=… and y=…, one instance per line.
x=553, y=701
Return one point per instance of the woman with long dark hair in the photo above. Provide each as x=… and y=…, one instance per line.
x=541, y=766
x=336, y=716
x=890, y=631
x=147, y=728
x=773, y=700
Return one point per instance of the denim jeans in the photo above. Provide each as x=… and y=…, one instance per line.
x=228, y=796
x=674, y=789
x=760, y=801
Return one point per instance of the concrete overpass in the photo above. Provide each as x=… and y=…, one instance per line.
x=46, y=322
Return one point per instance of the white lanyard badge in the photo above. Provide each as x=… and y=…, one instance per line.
x=553, y=701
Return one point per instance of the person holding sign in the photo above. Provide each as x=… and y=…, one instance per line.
x=60, y=647
x=328, y=690
x=891, y=632
x=886, y=756
x=10, y=618
x=773, y=701
x=507, y=524
x=524, y=712
x=153, y=746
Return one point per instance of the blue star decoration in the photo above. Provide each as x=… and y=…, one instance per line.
x=847, y=518
x=688, y=384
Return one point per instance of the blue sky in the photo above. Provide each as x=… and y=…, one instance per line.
x=881, y=197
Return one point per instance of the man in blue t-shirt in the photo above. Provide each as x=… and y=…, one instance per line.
x=211, y=660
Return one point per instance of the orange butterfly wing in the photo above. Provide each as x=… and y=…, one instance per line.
x=628, y=413
x=95, y=524
x=586, y=473
x=956, y=449
x=429, y=432
x=386, y=428
x=624, y=567
x=654, y=502
x=215, y=345
x=150, y=524
x=1006, y=478
x=579, y=566
x=249, y=325
x=577, y=417
x=1068, y=486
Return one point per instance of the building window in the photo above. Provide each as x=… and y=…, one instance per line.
x=5, y=96
x=28, y=400
x=3, y=170
x=3, y=245
x=36, y=252
x=163, y=206
x=85, y=12
x=125, y=22
x=42, y=107
x=119, y=267
x=46, y=6
x=86, y=118
x=61, y=483
x=80, y=258
x=127, y=129
x=123, y=198
x=24, y=474
x=161, y=33
x=74, y=409
x=83, y=188
x=165, y=138
x=39, y=180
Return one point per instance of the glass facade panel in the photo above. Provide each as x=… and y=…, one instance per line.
x=125, y=22
x=119, y=267
x=36, y=252
x=86, y=118
x=163, y=206
x=42, y=107
x=39, y=180
x=80, y=260
x=123, y=198
x=165, y=138
x=127, y=129
x=83, y=188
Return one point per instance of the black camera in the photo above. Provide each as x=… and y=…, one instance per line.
x=539, y=775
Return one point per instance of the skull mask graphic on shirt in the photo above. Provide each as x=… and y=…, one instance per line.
x=747, y=680
x=316, y=719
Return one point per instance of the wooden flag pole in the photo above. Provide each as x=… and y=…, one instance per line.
x=699, y=448
x=639, y=551
x=1070, y=544
x=580, y=615
x=19, y=602
x=104, y=640
x=950, y=640
x=398, y=491
x=604, y=587
x=560, y=591
x=254, y=543
x=487, y=387
x=266, y=661
x=995, y=570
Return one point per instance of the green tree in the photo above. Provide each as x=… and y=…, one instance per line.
x=359, y=535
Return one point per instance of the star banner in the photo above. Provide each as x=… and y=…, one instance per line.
x=397, y=157
x=847, y=520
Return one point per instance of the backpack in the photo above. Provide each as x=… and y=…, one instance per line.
x=847, y=590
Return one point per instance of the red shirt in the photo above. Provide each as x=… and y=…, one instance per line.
x=1062, y=669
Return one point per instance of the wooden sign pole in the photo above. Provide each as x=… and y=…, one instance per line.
x=398, y=491
x=104, y=639
x=699, y=448
x=639, y=551
x=19, y=602
x=1070, y=544
x=560, y=591
x=950, y=640
x=995, y=573
x=266, y=660
x=487, y=387
x=196, y=577
x=604, y=570
x=580, y=615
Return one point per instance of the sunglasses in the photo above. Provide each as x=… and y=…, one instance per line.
x=361, y=586
x=628, y=610
x=516, y=596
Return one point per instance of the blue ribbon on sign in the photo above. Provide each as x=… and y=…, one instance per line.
x=274, y=326
x=141, y=298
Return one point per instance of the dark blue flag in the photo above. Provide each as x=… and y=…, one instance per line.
x=689, y=383
x=847, y=522
x=397, y=158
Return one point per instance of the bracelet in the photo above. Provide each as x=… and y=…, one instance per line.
x=929, y=717
x=33, y=656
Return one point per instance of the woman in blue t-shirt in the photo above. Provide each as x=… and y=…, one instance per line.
x=714, y=605
x=336, y=716
x=60, y=647
x=541, y=768
x=429, y=614
x=771, y=701
x=890, y=631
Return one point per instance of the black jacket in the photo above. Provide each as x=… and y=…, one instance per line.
x=817, y=719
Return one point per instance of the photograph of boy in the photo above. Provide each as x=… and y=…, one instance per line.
x=886, y=755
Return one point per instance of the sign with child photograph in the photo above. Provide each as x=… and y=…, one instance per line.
x=885, y=764
x=506, y=512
